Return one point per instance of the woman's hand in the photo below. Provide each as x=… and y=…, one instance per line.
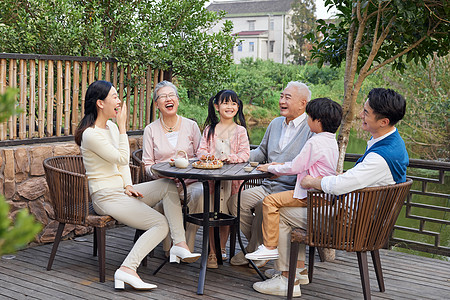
x=130, y=191
x=121, y=118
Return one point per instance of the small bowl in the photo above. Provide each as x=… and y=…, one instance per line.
x=254, y=163
x=172, y=163
x=248, y=169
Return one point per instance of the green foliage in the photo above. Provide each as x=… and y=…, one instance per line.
x=302, y=23
x=14, y=237
x=427, y=91
x=17, y=236
x=8, y=104
x=165, y=34
x=418, y=27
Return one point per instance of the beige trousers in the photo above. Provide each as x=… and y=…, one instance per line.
x=271, y=214
x=290, y=217
x=138, y=213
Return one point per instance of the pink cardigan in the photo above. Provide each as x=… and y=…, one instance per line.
x=156, y=146
x=239, y=152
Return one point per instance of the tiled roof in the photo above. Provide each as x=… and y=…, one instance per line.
x=255, y=32
x=252, y=7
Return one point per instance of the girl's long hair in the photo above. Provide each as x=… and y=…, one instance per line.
x=98, y=90
x=222, y=96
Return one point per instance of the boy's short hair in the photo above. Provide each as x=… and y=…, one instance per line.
x=327, y=111
x=387, y=103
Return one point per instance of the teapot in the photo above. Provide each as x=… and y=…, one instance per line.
x=181, y=162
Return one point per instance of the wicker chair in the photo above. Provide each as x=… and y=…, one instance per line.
x=359, y=221
x=136, y=158
x=69, y=192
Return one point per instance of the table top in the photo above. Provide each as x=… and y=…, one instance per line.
x=227, y=172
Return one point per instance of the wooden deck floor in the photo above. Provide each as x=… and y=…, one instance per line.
x=75, y=275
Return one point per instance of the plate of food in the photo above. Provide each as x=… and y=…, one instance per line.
x=208, y=162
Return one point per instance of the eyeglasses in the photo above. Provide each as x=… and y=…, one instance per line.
x=164, y=97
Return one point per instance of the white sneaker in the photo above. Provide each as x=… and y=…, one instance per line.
x=276, y=285
x=240, y=260
x=262, y=253
x=301, y=274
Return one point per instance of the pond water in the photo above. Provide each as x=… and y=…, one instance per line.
x=357, y=145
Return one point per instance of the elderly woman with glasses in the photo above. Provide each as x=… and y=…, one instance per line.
x=167, y=135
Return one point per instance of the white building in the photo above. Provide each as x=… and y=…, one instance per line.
x=260, y=25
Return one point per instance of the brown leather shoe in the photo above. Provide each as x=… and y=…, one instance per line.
x=212, y=261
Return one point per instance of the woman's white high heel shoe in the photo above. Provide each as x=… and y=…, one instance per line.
x=177, y=253
x=121, y=277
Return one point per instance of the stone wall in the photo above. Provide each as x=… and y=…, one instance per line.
x=22, y=182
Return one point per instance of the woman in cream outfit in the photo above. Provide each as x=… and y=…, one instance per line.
x=106, y=153
x=166, y=136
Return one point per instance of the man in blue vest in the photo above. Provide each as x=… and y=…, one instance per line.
x=383, y=163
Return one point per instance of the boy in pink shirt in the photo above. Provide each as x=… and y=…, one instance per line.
x=318, y=157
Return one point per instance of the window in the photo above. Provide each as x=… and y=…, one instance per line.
x=240, y=47
x=272, y=24
x=251, y=25
x=251, y=47
x=271, y=46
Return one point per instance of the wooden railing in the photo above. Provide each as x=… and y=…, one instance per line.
x=52, y=91
x=418, y=208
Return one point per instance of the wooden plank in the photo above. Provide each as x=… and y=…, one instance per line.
x=3, y=125
x=13, y=84
x=108, y=71
x=59, y=97
x=148, y=97
x=75, y=96
x=75, y=275
x=141, y=103
x=84, y=77
x=50, y=97
x=135, y=99
x=32, y=101
x=114, y=81
x=121, y=83
x=67, y=99
x=99, y=76
x=128, y=96
x=91, y=72
x=22, y=98
x=155, y=82
x=41, y=98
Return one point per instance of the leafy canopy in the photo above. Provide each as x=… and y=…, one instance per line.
x=302, y=22
x=162, y=33
x=417, y=28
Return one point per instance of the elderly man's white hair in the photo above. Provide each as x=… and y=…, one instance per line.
x=301, y=88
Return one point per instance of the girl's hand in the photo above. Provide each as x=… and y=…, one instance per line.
x=130, y=191
x=122, y=118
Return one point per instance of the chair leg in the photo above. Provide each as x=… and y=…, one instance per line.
x=55, y=245
x=311, y=263
x=364, y=272
x=377, y=266
x=292, y=269
x=233, y=232
x=94, y=249
x=101, y=240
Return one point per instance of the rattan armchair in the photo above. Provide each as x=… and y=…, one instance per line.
x=359, y=221
x=69, y=194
